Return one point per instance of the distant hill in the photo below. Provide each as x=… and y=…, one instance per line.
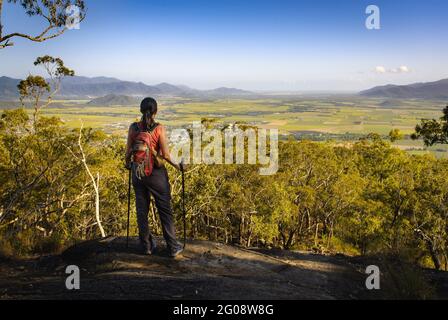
x=428, y=90
x=88, y=88
x=393, y=103
x=101, y=86
x=8, y=87
x=228, y=92
x=87, y=80
x=115, y=100
x=170, y=89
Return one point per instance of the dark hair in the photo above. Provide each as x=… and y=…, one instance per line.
x=148, y=108
x=148, y=105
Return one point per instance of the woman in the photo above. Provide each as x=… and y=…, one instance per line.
x=156, y=184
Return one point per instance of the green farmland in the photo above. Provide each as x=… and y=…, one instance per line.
x=315, y=118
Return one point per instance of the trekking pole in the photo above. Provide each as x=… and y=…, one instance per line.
x=129, y=208
x=183, y=203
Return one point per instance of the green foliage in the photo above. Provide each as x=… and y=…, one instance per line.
x=55, y=67
x=432, y=131
x=53, y=244
x=6, y=250
x=366, y=198
x=395, y=135
x=45, y=192
x=33, y=87
x=402, y=280
x=53, y=12
x=57, y=9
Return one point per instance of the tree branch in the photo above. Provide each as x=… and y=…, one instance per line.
x=39, y=38
x=52, y=11
x=95, y=182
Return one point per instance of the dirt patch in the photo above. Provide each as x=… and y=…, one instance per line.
x=207, y=270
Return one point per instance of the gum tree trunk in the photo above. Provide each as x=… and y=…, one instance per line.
x=434, y=256
x=95, y=183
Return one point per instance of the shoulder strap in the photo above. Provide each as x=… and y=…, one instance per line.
x=136, y=126
x=140, y=128
x=151, y=134
x=153, y=127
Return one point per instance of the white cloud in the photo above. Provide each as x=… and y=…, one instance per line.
x=380, y=69
x=401, y=69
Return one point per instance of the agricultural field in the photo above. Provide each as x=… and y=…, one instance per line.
x=316, y=118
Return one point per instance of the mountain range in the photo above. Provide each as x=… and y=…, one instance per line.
x=91, y=88
x=427, y=90
x=114, y=100
x=103, y=87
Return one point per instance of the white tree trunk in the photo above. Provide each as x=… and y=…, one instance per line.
x=97, y=205
x=95, y=184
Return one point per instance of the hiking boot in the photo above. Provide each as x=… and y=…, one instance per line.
x=147, y=251
x=153, y=246
x=173, y=253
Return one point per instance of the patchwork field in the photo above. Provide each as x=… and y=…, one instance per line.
x=315, y=118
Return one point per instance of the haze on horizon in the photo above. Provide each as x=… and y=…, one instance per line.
x=255, y=45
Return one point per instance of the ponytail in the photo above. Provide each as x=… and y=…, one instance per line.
x=148, y=108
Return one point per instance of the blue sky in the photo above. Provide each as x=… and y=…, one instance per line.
x=253, y=44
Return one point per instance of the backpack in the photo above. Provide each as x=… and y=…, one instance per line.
x=142, y=151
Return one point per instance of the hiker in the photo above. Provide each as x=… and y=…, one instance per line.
x=150, y=177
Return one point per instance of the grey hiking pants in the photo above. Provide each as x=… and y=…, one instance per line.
x=157, y=185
